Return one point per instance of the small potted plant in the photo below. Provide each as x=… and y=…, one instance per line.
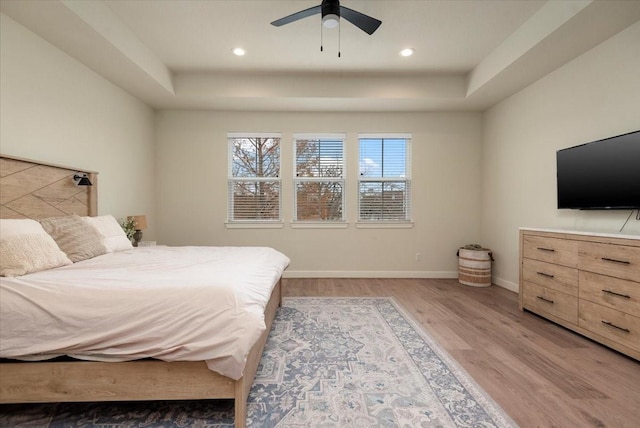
x=128, y=224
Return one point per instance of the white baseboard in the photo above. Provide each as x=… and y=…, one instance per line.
x=368, y=274
x=511, y=286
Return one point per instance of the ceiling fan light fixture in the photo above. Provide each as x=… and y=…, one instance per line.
x=407, y=52
x=239, y=52
x=331, y=13
x=330, y=20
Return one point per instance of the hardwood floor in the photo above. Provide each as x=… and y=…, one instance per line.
x=541, y=374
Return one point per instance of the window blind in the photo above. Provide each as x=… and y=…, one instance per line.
x=254, y=177
x=384, y=184
x=319, y=178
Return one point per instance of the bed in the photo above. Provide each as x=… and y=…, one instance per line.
x=165, y=340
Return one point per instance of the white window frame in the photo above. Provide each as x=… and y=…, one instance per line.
x=232, y=180
x=319, y=223
x=388, y=223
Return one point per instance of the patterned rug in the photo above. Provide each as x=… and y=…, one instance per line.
x=329, y=362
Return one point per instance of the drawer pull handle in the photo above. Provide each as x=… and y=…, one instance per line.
x=624, y=262
x=548, y=275
x=546, y=249
x=546, y=300
x=626, y=296
x=626, y=330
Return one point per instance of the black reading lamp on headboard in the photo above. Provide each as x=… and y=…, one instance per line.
x=82, y=180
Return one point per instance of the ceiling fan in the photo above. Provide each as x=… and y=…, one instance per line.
x=331, y=13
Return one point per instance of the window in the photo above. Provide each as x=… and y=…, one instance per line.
x=319, y=178
x=254, y=177
x=384, y=185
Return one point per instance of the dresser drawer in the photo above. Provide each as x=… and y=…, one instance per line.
x=614, y=260
x=552, y=276
x=587, y=283
x=614, y=293
x=543, y=300
x=610, y=323
x=551, y=250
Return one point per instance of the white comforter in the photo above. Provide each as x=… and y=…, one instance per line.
x=168, y=303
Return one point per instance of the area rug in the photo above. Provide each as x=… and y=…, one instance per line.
x=329, y=362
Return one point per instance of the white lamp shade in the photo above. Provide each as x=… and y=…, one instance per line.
x=330, y=21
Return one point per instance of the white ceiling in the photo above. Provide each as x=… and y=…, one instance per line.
x=469, y=54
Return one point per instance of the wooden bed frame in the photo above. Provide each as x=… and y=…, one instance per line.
x=30, y=189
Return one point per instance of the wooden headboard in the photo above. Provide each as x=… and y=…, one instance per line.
x=32, y=189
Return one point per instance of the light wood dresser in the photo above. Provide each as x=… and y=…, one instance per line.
x=586, y=282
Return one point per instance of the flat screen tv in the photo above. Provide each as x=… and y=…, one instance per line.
x=601, y=175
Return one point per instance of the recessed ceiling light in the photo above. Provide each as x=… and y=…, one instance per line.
x=239, y=52
x=406, y=52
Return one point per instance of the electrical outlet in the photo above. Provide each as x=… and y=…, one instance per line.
x=418, y=257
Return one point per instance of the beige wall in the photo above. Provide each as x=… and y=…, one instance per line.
x=54, y=109
x=476, y=178
x=595, y=96
x=192, y=192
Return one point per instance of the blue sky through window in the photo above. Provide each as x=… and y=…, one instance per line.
x=382, y=157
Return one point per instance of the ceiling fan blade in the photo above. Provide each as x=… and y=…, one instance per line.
x=296, y=16
x=364, y=22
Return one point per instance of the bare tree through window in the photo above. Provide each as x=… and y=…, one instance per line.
x=254, y=185
x=319, y=182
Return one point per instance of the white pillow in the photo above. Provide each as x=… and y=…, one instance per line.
x=26, y=248
x=113, y=237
